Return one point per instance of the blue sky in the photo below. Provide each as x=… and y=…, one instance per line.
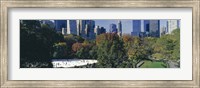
x=126, y=24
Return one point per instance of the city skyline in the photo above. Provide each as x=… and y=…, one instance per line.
x=89, y=29
x=127, y=26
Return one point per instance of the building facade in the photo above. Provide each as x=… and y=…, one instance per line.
x=102, y=30
x=59, y=24
x=85, y=28
x=172, y=25
x=97, y=30
x=146, y=25
x=91, y=31
x=136, y=28
x=113, y=28
x=71, y=27
x=154, y=28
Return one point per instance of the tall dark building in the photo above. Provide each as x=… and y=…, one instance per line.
x=99, y=30
x=91, y=32
x=113, y=28
x=146, y=25
x=71, y=27
x=59, y=24
x=154, y=28
x=136, y=28
x=102, y=30
x=85, y=28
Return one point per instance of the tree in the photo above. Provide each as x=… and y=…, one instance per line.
x=163, y=48
x=93, y=52
x=76, y=46
x=61, y=50
x=84, y=51
x=168, y=46
x=36, y=42
x=135, y=49
x=148, y=44
x=111, y=52
x=176, y=50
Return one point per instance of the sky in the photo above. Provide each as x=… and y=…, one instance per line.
x=126, y=24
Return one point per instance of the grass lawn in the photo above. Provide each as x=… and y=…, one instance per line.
x=149, y=64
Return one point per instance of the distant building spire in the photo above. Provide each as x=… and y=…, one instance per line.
x=119, y=28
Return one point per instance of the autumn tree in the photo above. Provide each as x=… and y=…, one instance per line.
x=135, y=49
x=86, y=50
x=76, y=46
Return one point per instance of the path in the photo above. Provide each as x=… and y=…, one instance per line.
x=172, y=64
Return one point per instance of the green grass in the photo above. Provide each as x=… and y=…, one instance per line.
x=149, y=64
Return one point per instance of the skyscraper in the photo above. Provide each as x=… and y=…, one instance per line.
x=172, y=25
x=97, y=30
x=154, y=28
x=59, y=24
x=146, y=25
x=136, y=28
x=87, y=30
x=119, y=28
x=82, y=28
x=71, y=27
x=78, y=27
x=91, y=31
x=113, y=28
x=102, y=30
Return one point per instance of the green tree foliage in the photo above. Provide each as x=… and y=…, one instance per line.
x=168, y=46
x=93, y=52
x=176, y=50
x=85, y=50
x=73, y=42
x=70, y=39
x=148, y=44
x=61, y=50
x=36, y=42
x=111, y=52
